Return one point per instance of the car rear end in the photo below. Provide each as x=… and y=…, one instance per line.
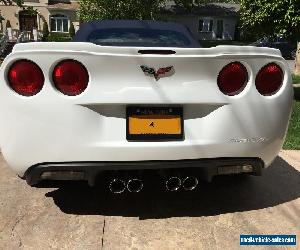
x=93, y=108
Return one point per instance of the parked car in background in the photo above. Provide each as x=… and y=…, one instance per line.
x=287, y=48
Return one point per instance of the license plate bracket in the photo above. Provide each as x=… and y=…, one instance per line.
x=154, y=123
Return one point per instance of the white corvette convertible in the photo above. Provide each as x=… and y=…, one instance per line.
x=127, y=97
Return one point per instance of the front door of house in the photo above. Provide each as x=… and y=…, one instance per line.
x=220, y=29
x=27, y=20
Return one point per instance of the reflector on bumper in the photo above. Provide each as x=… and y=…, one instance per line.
x=224, y=170
x=62, y=175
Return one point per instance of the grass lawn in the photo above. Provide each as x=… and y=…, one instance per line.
x=292, y=140
x=296, y=79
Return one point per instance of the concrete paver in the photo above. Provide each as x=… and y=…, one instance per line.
x=215, y=217
x=30, y=220
x=74, y=216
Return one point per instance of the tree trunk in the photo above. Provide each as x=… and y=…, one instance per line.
x=297, y=61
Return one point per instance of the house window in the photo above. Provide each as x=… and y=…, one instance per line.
x=206, y=25
x=59, y=23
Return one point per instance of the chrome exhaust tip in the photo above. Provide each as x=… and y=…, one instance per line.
x=117, y=186
x=190, y=183
x=135, y=185
x=173, y=183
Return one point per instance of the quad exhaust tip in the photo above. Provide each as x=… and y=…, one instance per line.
x=173, y=184
x=135, y=185
x=190, y=183
x=117, y=186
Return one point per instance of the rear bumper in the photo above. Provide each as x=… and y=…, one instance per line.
x=30, y=135
x=89, y=171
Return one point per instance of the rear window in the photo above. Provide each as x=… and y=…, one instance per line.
x=138, y=37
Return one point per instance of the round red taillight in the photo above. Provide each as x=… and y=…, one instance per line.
x=269, y=79
x=70, y=77
x=233, y=78
x=25, y=78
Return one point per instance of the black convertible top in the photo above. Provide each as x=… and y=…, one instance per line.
x=148, y=28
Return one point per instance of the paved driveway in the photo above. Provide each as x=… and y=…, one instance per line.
x=213, y=217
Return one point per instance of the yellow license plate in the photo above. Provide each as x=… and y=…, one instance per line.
x=154, y=123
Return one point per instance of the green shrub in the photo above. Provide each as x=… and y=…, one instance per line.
x=59, y=37
x=72, y=30
x=45, y=31
x=297, y=93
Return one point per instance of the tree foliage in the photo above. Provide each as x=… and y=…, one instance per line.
x=186, y=4
x=190, y=4
x=12, y=2
x=271, y=17
x=118, y=9
x=72, y=30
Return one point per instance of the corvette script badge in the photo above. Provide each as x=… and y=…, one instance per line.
x=161, y=72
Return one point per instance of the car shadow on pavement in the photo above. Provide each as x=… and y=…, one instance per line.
x=280, y=183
